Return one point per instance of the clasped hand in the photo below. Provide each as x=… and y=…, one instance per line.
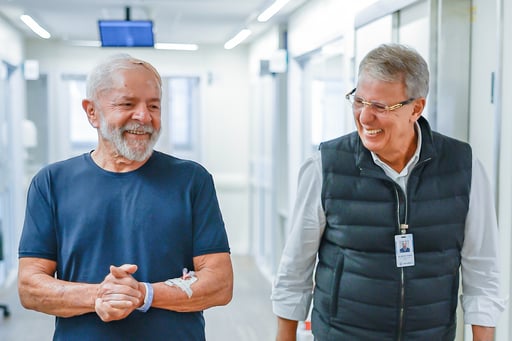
x=119, y=293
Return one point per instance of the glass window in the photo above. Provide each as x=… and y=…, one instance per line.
x=323, y=94
x=326, y=110
x=414, y=30
x=183, y=116
x=81, y=133
x=372, y=35
x=180, y=112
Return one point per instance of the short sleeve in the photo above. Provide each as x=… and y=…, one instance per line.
x=38, y=236
x=209, y=231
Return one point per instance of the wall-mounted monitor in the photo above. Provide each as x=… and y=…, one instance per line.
x=126, y=33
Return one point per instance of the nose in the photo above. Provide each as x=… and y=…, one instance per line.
x=366, y=114
x=142, y=114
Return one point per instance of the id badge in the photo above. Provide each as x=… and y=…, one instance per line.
x=404, y=250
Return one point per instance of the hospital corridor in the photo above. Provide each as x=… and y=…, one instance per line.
x=241, y=100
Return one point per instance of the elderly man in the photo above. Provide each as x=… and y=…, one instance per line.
x=393, y=181
x=124, y=234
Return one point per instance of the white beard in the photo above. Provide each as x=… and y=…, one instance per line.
x=136, y=151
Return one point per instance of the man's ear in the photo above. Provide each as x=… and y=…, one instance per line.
x=91, y=112
x=419, y=105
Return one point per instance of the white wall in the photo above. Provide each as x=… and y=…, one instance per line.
x=264, y=112
x=262, y=48
x=11, y=42
x=490, y=123
x=481, y=125
x=319, y=22
x=504, y=331
x=12, y=52
x=223, y=120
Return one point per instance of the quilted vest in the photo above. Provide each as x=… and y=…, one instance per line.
x=360, y=293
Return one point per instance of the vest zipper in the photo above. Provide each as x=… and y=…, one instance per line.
x=402, y=299
x=402, y=274
x=403, y=231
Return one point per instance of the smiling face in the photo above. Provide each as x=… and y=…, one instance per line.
x=127, y=114
x=391, y=135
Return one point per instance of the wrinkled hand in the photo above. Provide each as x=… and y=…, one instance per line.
x=119, y=293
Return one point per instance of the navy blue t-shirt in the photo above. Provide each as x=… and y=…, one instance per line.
x=159, y=217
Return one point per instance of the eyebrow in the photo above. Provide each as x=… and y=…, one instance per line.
x=130, y=98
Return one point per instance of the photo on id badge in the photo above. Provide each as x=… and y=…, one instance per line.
x=404, y=250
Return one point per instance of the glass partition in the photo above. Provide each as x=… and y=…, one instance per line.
x=81, y=134
x=5, y=218
x=371, y=35
x=324, y=85
x=182, y=112
x=3, y=166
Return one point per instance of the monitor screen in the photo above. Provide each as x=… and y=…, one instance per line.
x=126, y=33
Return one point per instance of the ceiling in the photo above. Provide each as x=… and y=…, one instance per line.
x=175, y=21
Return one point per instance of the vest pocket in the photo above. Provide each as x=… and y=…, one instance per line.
x=336, y=280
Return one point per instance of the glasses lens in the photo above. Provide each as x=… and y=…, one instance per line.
x=357, y=103
x=379, y=108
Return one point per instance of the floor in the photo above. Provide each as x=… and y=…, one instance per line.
x=248, y=317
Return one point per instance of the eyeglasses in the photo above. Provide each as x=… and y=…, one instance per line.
x=358, y=103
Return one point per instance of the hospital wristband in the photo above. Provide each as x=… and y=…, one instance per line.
x=148, y=298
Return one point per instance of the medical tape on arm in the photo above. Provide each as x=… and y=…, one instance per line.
x=183, y=282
